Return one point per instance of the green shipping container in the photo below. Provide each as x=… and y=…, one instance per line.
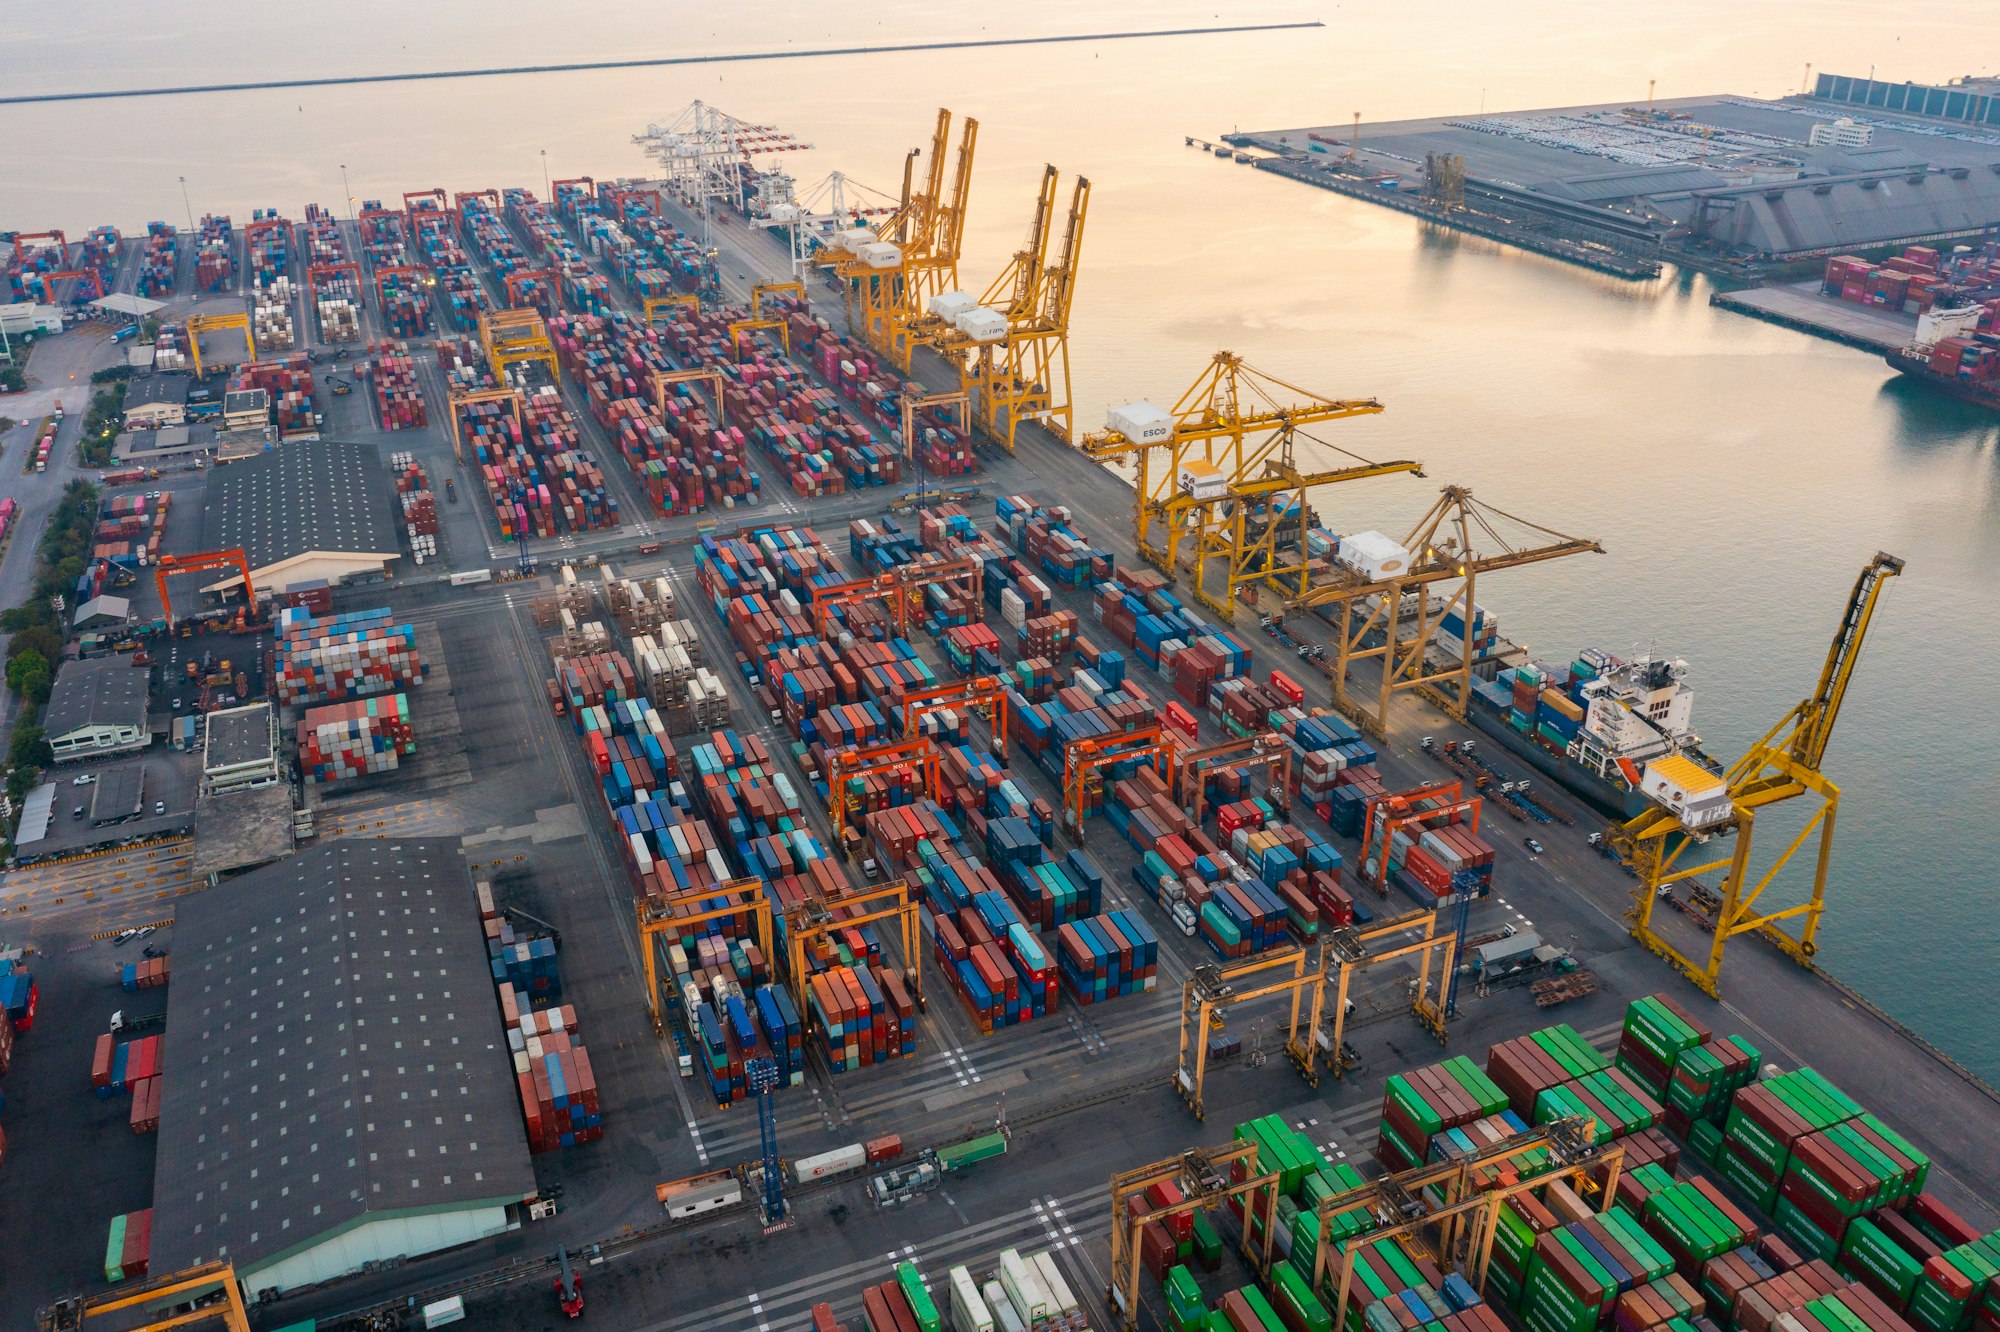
x=1293, y=1292
x=1705, y=1139
x=1867, y=1249
x=912, y=1286
x=114, y=1250
x=1207, y=1243
x=1804, y=1232
x=960, y=1155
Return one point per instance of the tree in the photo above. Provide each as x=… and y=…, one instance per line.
x=25, y=662
x=40, y=642
x=12, y=380
x=35, y=686
x=30, y=747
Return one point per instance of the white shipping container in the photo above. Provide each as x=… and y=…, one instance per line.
x=968, y=1310
x=983, y=324
x=1003, y=1312
x=1061, y=1302
x=1012, y=609
x=879, y=254
x=840, y=1161
x=1024, y=1289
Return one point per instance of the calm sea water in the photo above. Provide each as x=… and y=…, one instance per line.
x=1738, y=475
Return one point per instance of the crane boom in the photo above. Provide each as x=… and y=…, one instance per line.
x=1817, y=714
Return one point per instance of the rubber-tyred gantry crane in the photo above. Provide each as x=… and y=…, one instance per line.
x=851, y=762
x=1784, y=765
x=1205, y=1177
x=1458, y=539
x=211, y=1286
x=171, y=565
x=210, y=323
x=663, y=382
x=516, y=337
x=687, y=913
x=1083, y=759
x=980, y=691
x=1398, y=809
x=1218, y=482
x=466, y=397
x=810, y=922
x=1267, y=750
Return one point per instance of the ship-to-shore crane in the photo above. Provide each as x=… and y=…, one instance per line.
x=1217, y=481
x=1456, y=541
x=892, y=270
x=1783, y=765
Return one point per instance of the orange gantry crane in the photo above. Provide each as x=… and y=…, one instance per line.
x=1399, y=811
x=1190, y=767
x=521, y=278
x=981, y=691
x=426, y=201
x=171, y=565
x=901, y=588
x=1084, y=758
x=417, y=272
x=664, y=380
x=685, y=913
x=853, y=761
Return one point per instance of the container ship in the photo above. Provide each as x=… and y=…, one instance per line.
x=1606, y=729
x=1965, y=365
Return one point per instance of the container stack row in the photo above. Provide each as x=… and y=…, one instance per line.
x=418, y=503
x=122, y=1066
x=343, y=657
x=215, y=260
x=289, y=383
x=159, y=261
x=340, y=742
x=460, y=296
x=582, y=288
x=128, y=1246
x=552, y=1071
x=399, y=398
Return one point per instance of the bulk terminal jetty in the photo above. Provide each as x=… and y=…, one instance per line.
x=685, y=600
x=1760, y=194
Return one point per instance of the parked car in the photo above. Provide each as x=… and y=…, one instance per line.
x=159, y=807
x=85, y=780
x=1533, y=845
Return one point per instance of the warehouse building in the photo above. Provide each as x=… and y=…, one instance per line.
x=156, y=400
x=303, y=513
x=97, y=707
x=1968, y=103
x=342, y=1091
x=1822, y=215
x=240, y=748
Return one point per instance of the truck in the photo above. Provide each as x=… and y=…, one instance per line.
x=961, y=1155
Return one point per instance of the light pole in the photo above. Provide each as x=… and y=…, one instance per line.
x=190, y=205
x=347, y=192
x=547, y=189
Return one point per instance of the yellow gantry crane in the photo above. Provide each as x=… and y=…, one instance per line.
x=1212, y=989
x=1447, y=1212
x=1782, y=766
x=1218, y=482
x=1455, y=541
x=893, y=270
x=515, y=337
x=1010, y=347
x=187, y=1298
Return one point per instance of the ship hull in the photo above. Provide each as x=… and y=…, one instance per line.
x=1613, y=800
x=1919, y=368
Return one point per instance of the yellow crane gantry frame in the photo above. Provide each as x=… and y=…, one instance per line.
x=1232, y=424
x=652, y=305
x=666, y=916
x=466, y=397
x=512, y=337
x=183, y=1287
x=816, y=917
x=1449, y=1210
x=1202, y=1176
x=663, y=380
x=759, y=290
x=1211, y=989
x=926, y=230
x=200, y=324
x=1783, y=765
x=1443, y=548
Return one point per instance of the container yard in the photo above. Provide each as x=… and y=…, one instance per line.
x=976, y=834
